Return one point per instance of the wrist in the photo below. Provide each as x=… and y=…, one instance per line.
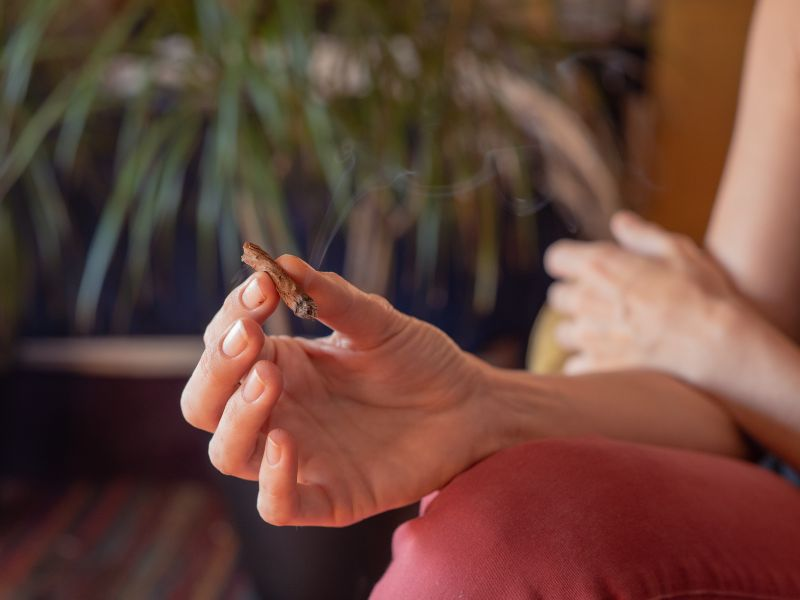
x=509, y=407
x=725, y=332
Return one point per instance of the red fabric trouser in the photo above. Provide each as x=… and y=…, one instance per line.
x=591, y=518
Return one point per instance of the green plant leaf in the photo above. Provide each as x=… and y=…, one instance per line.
x=16, y=63
x=91, y=80
x=210, y=19
x=258, y=176
x=230, y=244
x=218, y=165
x=19, y=52
x=296, y=22
x=106, y=236
x=157, y=209
x=428, y=230
x=176, y=162
x=32, y=135
x=48, y=211
x=266, y=105
x=209, y=204
x=134, y=124
x=228, y=155
x=143, y=223
x=323, y=138
x=60, y=99
x=74, y=121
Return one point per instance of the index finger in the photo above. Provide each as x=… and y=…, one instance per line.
x=570, y=259
x=254, y=299
x=366, y=319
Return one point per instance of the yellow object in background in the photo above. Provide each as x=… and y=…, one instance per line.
x=544, y=354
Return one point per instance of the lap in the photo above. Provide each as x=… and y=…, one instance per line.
x=595, y=518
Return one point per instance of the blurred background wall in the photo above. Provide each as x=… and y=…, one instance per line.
x=429, y=151
x=696, y=68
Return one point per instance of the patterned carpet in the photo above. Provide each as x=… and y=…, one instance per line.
x=122, y=539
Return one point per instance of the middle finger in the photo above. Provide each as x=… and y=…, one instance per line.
x=237, y=445
x=217, y=375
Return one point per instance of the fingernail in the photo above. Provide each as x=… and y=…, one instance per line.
x=252, y=296
x=253, y=387
x=236, y=340
x=273, y=452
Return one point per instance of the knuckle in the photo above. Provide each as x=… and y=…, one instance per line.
x=601, y=254
x=554, y=295
x=336, y=279
x=380, y=301
x=332, y=275
x=581, y=296
x=219, y=458
x=192, y=413
x=605, y=251
x=550, y=259
x=230, y=300
x=278, y=520
x=563, y=334
x=565, y=300
x=597, y=262
x=205, y=367
x=577, y=329
x=262, y=508
x=266, y=509
x=188, y=409
x=571, y=336
x=269, y=507
x=584, y=334
x=208, y=334
x=681, y=244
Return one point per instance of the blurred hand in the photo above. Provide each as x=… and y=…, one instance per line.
x=650, y=302
x=370, y=418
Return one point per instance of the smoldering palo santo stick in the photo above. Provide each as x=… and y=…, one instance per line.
x=300, y=303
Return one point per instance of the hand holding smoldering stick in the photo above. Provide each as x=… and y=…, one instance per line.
x=300, y=303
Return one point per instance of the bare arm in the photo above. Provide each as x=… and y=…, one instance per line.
x=755, y=227
x=639, y=406
x=755, y=232
x=387, y=408
x=657, y=302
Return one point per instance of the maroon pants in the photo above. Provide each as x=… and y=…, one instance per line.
x=587, y=518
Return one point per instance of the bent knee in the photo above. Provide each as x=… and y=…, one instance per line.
x=593, y=518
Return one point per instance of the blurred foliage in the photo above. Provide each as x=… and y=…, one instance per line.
x=131, y=101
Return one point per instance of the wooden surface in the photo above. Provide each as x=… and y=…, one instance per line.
x=698, y=52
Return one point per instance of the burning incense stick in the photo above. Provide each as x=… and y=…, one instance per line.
x=300, y=303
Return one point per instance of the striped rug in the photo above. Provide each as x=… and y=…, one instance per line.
x=123, y=539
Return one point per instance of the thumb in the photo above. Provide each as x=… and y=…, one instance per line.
x=366, y=319
x=639, y=236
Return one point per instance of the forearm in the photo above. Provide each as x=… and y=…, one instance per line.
x=640, y=406
x=756, y=376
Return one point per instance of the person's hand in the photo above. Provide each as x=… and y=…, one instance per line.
x=372, y=417
x=652, y=301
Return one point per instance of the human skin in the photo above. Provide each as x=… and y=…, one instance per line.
x=387, y=408
x=725, y=319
